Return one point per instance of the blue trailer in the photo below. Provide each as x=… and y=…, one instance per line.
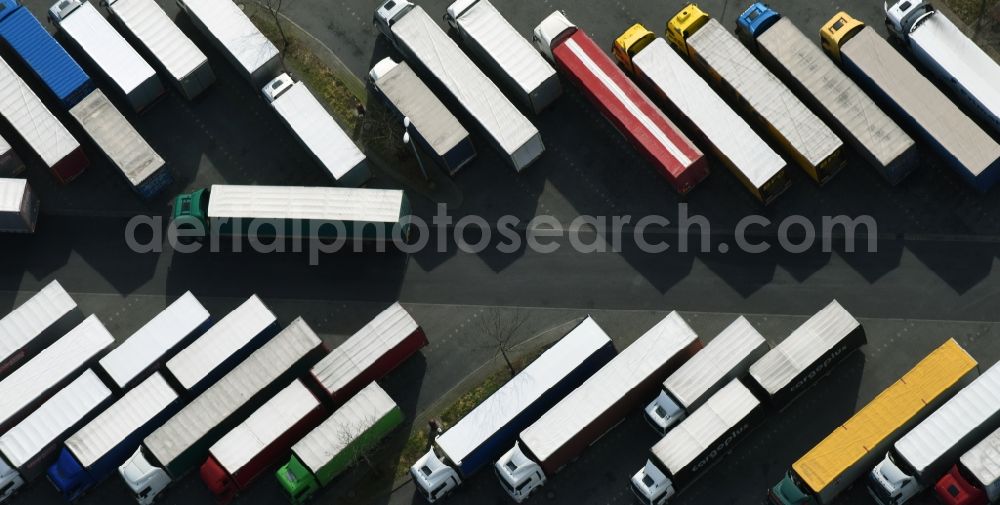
x=486, y=432
x=51, y=64
x=95, y=451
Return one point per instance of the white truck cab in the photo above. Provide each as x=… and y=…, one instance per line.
x=551, y=31
x=664, y=413
x=388, y=13
x=277, y=87
x=60, y=10
x=905, y=15
x=10, y=481
x=145, y=480
x=890, y=485
x=381, y=68
x=651, y=486
x=434, y=478
x=455, y=11
x=519, y=475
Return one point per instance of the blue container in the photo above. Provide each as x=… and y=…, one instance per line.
x=40, y=52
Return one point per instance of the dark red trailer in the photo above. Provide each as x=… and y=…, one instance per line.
x=371, y=353
x=260, y=442
x=621, y=102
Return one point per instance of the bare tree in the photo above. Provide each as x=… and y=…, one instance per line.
x=500, y=327
x=274, y=7
x=355, y=443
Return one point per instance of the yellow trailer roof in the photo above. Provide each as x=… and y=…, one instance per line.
x=891, y=409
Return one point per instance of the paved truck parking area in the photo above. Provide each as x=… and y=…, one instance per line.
x=933, y=275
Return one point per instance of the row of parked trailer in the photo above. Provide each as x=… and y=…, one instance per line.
x=790, y=91
x=938, y=426
x=231, y=398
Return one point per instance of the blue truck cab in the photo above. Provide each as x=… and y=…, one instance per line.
x=40, y=52
x=755, y=21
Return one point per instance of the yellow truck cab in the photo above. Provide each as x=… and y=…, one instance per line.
x=837, y=31
x=629, y=44
x=684, y=24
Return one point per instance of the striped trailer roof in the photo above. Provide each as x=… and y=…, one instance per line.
x=34, y=122
x=149, y=23
x=27, y=322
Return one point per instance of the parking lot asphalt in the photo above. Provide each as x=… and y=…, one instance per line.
x=932, y=277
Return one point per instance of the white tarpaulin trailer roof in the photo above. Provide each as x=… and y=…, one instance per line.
x=357, y=416
x=136, y=408
x=22, y=108
x=234, y=30
x=57, y=415
x=264, y=426
x=772, y=100
x=221, y=341
x=317, y=129
x=12, y=194
x=481, y=98
x=715, y=363
x=387, y=330
x=106, y=47
x=157, y=337
x=511, y=51
x=702, y=429
x=297, y=202
x=961, y=58
x=624, y=372
x=117, y=138
x=696, y=100
x=41, y=311
x=983, y=462
x=225, y=397
x=439, y=127
x=149, y=23
x=803, y=347
x=971, y=408
x=523, y=390
x=879, y=137
x=52, y=365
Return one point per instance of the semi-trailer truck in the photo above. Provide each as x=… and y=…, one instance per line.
x=38, y=379
x=435, y=128
x=250, y=449
x=854, y=115
x=975, y=479
x=182, y=443
x=107, y=50
x=833, y=465
x=918, y=459
x=34, y=324
x=508, y=55
x=337, y=444
x=699, y=441
x=621, y=102
x=669, y=78
x=294, y=211
x=591, y=410
x=383, y=344
x=164, y=44
x=479, y=438
x=96, y=450
x=37, y=126
x=761, y=95
x=947, y=52
x=236, y=37
x=808, y=354
x=182, y=321
x=18, y=207
x=223, y=345
x=31, y=445
x=913, y=99
x=317, y=131
x=419, y=38
x=728, y=356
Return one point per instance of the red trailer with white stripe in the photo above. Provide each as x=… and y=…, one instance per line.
x=621, y=101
